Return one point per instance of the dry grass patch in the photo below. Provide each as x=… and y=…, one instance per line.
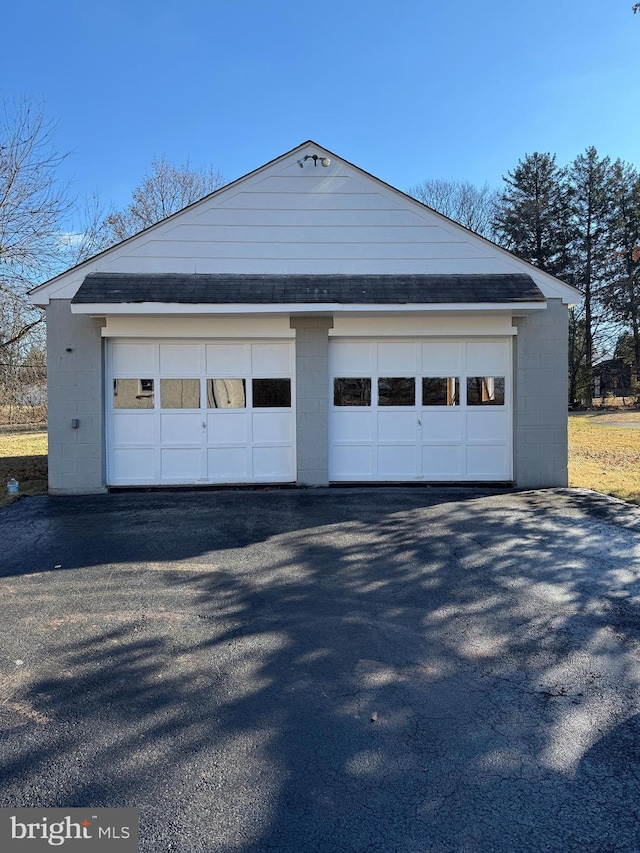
x=604, y=454
x=23, y=455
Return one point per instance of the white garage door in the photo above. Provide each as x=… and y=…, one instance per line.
x=420, y=410
x=185, y=413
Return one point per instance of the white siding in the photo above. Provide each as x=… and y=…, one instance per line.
x=313, y=220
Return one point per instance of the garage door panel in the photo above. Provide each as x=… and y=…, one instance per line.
x=271, y=359
x=227, y=464
x=352, y=426
x=132, y=465
x=271, y=427
x=487, y=425
x=486, y=358
x=227, y=428
x=441, y=426
x=180, y=429
x=397, y=426
x=396, y=461
x=133, y=428
x=227, y=360
x=273, y=463
x=441, y=359
x=134, y=360
x=351, y=462
x=487, y=461
x=181, y=465
x=442, y=461
x=351, y=359
x=397, y=359
x=179, y=359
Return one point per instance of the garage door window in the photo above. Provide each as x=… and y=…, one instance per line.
x=351, y=392
x=226, y=394
x=271, y=393
x=440, y=391
x=396, y=391
x=133, y=394
x=180, y=393
x=485, y=391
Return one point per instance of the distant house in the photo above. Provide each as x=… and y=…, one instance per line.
x=307, y=324
x=613, y=376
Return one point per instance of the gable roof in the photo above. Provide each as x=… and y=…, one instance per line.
x=220, y=289
x=281, y=219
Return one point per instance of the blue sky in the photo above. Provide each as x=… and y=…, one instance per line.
x=405, y=89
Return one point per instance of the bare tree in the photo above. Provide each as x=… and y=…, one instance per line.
x=462, y=201
x=33, y=206
x=166, y=190
x=88, y=233
x=32, y=202
x=22, y=363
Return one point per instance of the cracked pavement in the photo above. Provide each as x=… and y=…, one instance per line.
x=328, y=670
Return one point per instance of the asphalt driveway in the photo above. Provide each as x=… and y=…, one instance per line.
x=343, y=670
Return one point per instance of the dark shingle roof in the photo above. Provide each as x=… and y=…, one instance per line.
x=220, y=289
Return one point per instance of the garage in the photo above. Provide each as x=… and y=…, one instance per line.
x=425, y=410
x=183, y=412
x=305, y=324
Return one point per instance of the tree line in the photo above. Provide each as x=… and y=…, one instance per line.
x=579, y=222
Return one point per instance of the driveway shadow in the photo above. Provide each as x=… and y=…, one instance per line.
x=346, y=671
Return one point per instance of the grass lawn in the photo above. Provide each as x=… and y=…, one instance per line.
x=23, y=455
x=604, y=454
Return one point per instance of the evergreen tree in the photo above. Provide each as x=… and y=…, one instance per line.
x=621, y=296
x=534, y=221
x=592, y=183
x=533, y=215
x=578, y=377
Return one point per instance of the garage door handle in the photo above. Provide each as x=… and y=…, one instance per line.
x=204, y=426
x=419, y=422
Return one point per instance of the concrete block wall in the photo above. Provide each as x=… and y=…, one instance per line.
x=77, y=456
x=540, y=411
x=312, y=399
x=76, y=391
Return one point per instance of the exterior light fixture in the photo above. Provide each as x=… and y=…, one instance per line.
x=326, y=161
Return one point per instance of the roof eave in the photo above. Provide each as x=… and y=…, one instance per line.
x=172, y=308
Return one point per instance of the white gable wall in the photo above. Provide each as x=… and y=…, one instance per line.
x=311, y=220
x=316, y=220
